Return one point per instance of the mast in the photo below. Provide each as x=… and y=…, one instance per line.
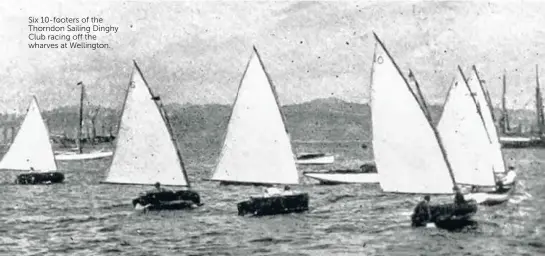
x=539, y=104
x=489, y=101
x=420, y=95
x=80, y=121
x=504, y=121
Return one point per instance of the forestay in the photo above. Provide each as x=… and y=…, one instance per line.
x=257, y=147
x=465, y=137
x=407, y=152
x=31, y=146
x=145, y=152
x=495, y=147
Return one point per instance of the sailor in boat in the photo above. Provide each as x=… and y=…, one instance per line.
x=287, y=190
x=158, y=188
x=272, y=191
x=510, y=176
x=458, y=196
x=32, y=178
x=422, y=213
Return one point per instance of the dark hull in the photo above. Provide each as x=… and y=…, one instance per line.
x=261, y=206
x=168, y=200
x=446, y=215
x=234, y=183
x=456, y=224
x=310, y=156
x=35, y=178
x=534, y=143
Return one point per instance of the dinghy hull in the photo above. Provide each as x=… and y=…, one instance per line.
x=521, y=142
x=491, y=198
x=315, y=159
x=281, y=204
x=333, y=178
x=235, y=183
x=167, y=200
x=445, y=215
x=69, y=156
x=34, y=178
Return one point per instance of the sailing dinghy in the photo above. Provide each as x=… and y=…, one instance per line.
x=399, y=126
x=502, y=183
x=257, y=148
x=146, y=153
x=79, y=154
x=31, y=150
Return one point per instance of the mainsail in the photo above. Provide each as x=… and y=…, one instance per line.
x=257, y=147
x=476, y=88
x=31, y=147
x=465, y=137
x=408, y=154
x=145, y=151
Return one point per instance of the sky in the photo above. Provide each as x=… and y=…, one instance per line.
x=196, y=52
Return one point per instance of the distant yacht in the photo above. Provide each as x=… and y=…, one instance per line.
x=31, y=150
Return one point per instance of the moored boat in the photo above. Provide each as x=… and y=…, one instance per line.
x=31, y=150
x=146, y=153
x=315, y=159
x=61, y=156
x=513, y=139
x=79, y=154
x=367, y=173
x=257, y=149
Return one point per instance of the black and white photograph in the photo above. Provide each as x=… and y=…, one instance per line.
x=272, y=127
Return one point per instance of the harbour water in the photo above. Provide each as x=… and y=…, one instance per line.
x=83, y=217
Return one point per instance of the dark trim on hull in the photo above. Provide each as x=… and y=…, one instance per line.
x=283, y=204
x=535, y=143
x=448, y=216
x=457, y=225
x=168, y=200
x=39, y=178
x=235, y=183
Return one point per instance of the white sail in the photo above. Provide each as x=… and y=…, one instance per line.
x=465, y=137
x=145, y=152
x=482, y=103
x=257, y=147
x=407, y=152
x=31, y=147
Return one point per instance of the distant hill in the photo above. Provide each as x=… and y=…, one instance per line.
x=329, y=119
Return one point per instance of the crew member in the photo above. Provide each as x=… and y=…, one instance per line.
x=422, y=213
x=458, y=197
x=158, y=188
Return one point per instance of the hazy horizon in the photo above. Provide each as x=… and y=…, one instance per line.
x=196, y=52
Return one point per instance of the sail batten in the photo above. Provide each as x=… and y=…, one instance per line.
x=257, y=147
x=31, y=147
x=407, y=150
x=465, y=136
x=145, y=150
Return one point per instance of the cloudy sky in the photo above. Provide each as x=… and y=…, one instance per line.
x=195, y=52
